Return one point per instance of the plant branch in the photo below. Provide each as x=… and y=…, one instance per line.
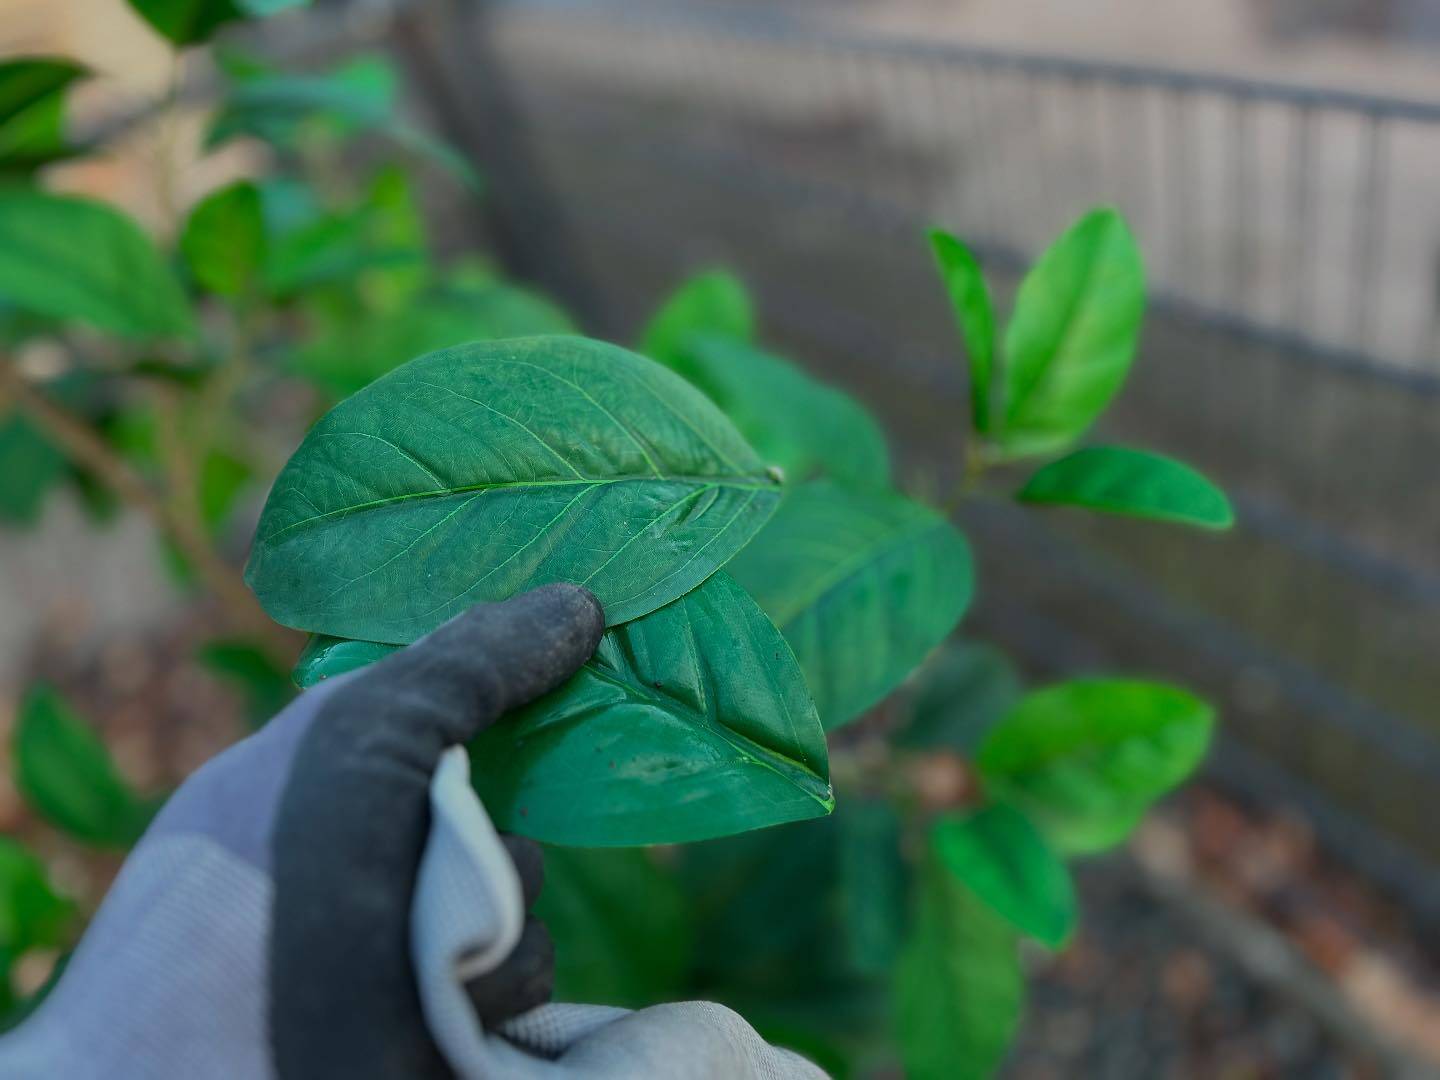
x=85, y=447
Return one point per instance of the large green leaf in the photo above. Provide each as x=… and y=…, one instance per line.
x=75, y=259
x=805, y=427
x=963, y=690
x=862, y=584
x=65, y=773
x=478, y=472
x=1119, y=480
x=713, y=303
x=620, y=924
x=224, y=240
x=1085, y=758
x=690, y=723
x=959, y=989
x=30, y=466
x=187, y=22
x=1007, y=864
x=965, y=284
x=32, y=111
x=1072, y=335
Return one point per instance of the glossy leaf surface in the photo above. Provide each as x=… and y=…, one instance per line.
x=478, y=472
x=690, y=723
x=959, y=988
x=1007, y=864
x=64, y=771
x=326, y=657
x=1072, y=335
x=1084, y=758
x=805, y=427
x=75, y=259
x=970, y=299
x=1118, y=480
x=713, y=303
x=862, y=584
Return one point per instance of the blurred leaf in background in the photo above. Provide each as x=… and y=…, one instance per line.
x=713, y=303
x=30, y=466
x=224, y=240
x=32, y=113
x=963, y=690
x=264, y=685
x=32, y=914
x=1137, y=483
x=970, y=298
x=66, y=774
x=189, y=22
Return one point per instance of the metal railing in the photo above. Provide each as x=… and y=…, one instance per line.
x=1293, y=242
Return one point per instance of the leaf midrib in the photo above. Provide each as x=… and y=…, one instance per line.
x=736, y=483
x=788, y=768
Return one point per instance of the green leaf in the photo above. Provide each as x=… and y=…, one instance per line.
x=30, y=467
x=690, y=723
x=266, y=687
x=963, y=690
x=224, y=240
x=965, y=283
x=1118, y=480
x=1072, y=335
x=806, y=428
x=1006, y=863
x=959, y=989
x=1084, y=758
x=479, y=472
x=326, y=657
x=872, y=885
x=71, y=258
x=620, y=924
x=223, y=478
x=713, y=303
x=32, y=112
x=188, y=22
x=862, y=584
x=334, y=249
x=66, y=775
x=32, y=914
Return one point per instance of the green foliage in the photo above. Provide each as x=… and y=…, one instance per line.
x=32, y=112
x=691, y=722
x=1072, y=335
x=30, y=467
x=189, y=22
x=1085, y=758
x=32, y=915
x=265, y=686
x=862, y=584
x=808, y=429
x=872, y=885
x=1006, y=863
x=326, y=657
x=78, y=260
x=1119, y=480
x=65, y=773
x=224, y=240
x=446, y=483
x=962, y=691
x=959, y=991
x=620, y=924
x=970, y=297
x=711, y=304
x=357, y=98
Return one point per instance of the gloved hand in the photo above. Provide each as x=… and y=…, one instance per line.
x=328, y=898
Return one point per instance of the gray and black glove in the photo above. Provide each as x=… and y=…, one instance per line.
x=328, y=898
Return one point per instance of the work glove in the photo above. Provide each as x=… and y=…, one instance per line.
x=328, y=898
